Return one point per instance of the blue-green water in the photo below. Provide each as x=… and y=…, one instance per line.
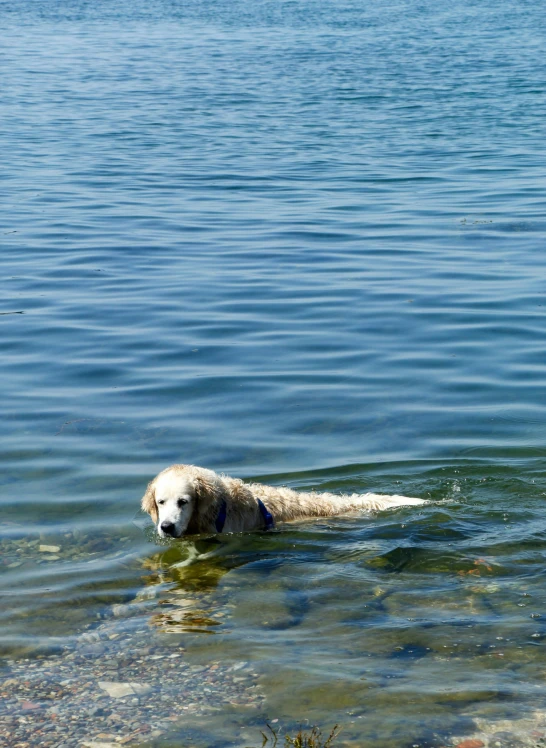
x=298, y=242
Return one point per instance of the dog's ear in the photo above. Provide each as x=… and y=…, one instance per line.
x=148, y=501
x=208, y=489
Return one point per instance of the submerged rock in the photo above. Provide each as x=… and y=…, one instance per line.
x=118, y=690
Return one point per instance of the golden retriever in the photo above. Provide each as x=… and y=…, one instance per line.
x=188, y=500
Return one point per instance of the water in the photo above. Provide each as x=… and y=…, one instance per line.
x=300, y=243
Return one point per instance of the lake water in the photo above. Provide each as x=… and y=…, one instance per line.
x=296, y=242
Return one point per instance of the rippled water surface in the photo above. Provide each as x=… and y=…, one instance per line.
x=296, y=242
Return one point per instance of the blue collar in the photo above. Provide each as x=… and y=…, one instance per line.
x=268, y=517
x=221, y=518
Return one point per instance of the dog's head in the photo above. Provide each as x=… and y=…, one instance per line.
x=176, y=497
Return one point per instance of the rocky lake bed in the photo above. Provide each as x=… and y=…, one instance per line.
x=139, y=673
x=125, y=679
x=115, y=688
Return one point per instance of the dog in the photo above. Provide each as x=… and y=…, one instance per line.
x=189, y=500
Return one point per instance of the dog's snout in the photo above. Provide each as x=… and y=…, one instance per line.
x=168, y=527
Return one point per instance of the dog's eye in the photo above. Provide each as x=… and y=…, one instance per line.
x=182, y=502
x=161, y=501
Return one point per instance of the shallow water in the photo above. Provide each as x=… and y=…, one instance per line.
x=297, y=243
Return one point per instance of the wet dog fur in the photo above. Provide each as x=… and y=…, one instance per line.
x=186, y=500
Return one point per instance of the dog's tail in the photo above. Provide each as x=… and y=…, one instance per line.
x=375, y=502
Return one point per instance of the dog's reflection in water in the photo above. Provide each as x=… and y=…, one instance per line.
x=185, y=576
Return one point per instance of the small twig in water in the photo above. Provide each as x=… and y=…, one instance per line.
x=275, y=736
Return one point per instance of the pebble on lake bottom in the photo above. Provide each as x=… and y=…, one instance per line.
x=117, y=688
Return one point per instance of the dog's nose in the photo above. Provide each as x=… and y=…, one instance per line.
x=168, y=527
